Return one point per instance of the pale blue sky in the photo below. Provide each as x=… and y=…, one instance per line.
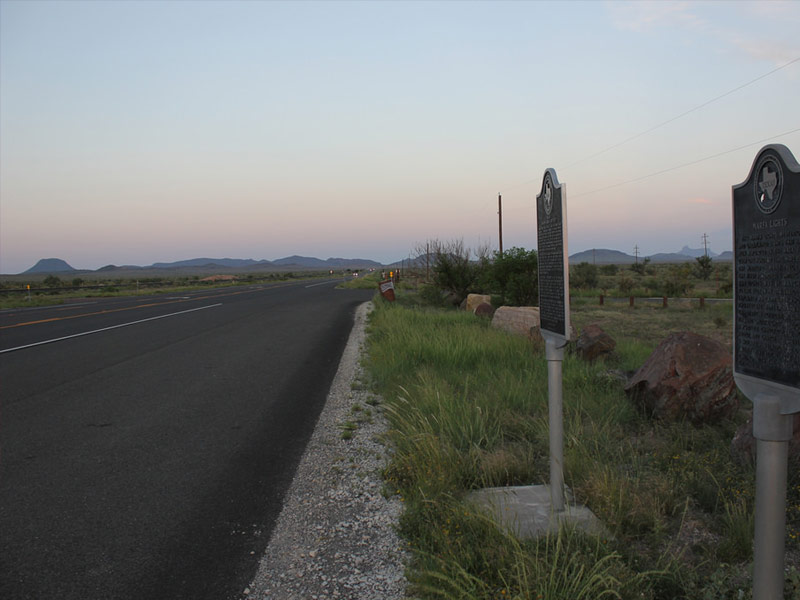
x=134, y=132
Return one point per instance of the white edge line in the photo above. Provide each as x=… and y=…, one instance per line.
x=75, y=335
x=323, y=283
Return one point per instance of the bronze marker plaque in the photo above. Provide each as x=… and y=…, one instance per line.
x=766, y=253
x=552, y=255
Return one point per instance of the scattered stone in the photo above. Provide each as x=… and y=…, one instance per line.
x=474, y=300
x=594, y=342
x=338, y=512
x=687, y=376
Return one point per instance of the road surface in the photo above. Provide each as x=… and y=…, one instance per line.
x=146, y=443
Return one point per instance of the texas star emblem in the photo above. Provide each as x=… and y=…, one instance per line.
x=769, y=185
x=548, y=196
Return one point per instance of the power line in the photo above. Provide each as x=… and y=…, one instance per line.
x=681, y=166
x=683, y=114
x=675, y=118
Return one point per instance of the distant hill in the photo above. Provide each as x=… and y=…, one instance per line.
x=50, y=265
x=602, y=256
x=351, y=263
x=300, y=261
x=726, y=256
x=695, y=252
x=670, y=257
x=309, y=262
x=204, y=262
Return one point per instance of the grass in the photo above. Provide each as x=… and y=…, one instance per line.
x=467, y=406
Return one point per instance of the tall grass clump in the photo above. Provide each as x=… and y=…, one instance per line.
x=467, y=407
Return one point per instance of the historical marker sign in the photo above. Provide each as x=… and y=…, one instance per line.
x=551, y=216
x=766, y=247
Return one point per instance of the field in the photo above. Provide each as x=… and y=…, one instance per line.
x=46, y=290
x=468, y=409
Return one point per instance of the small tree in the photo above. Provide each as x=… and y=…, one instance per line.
x=52, y=281
x=640, y=267
x=703, y=268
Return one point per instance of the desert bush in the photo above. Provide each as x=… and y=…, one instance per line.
x=625, y=283
x=677, y=280
x=609, y=269
x=454, y=270
x=583, y=276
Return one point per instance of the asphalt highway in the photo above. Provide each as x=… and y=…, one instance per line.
x=146, y=443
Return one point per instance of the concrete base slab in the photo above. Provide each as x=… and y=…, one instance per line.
x=527, y=511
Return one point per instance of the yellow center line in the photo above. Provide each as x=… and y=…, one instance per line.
x=150, y=305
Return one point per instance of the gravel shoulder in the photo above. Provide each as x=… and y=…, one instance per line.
x=335, y=536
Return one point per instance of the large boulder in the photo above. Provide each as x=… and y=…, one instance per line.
x=687, y=376
x=519, y=320
x=594, y=342
x=475, y=300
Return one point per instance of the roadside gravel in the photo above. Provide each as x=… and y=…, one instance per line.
x=335, y=536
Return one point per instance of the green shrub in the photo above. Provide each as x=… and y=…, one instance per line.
x=583, y=276
x=609, y=269
x=514, y=276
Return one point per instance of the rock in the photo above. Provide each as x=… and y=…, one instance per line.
x=687, y=377
x=743, y=445
x=484, y=310
x=474, y=300
x=594, y=342
x=519, y=320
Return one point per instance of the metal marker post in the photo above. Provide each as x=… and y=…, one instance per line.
x=766, y=348
x=551, y=217
x=554, y=352
x=772, y=431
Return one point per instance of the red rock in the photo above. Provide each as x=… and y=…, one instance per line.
x=687, y=377
x=594, y=342
x=484, y=309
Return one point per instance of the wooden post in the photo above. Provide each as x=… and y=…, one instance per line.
x=601, y=299
x=664, y=301
x=631, y=301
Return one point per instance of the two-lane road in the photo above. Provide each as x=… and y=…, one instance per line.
x=146, y=443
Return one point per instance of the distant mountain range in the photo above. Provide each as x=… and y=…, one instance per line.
x=602, y=256
x=598, y=256
x=57, y=265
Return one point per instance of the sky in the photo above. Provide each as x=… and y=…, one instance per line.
x=136, y=132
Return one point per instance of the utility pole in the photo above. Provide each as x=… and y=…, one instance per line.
x=500, y=217
x=636, y=253
x=427, y=261
x=705, y=244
